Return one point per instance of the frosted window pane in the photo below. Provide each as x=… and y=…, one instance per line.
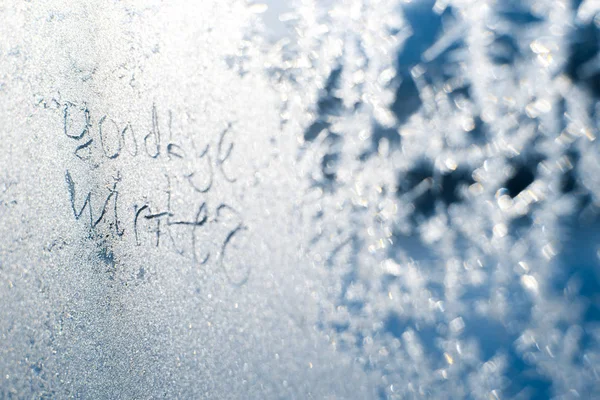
x=360, y=199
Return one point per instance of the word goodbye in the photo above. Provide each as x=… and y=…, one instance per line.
x=113, y=140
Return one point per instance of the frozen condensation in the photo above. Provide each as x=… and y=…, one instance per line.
x=362, y=199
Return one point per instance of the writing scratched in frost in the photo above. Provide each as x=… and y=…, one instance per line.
x=189, y=227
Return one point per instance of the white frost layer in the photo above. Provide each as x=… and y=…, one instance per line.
x=133, y=104
x=396, y=199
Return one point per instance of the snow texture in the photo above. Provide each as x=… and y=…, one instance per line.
x=332, y=199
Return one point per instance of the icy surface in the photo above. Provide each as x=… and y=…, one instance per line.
x=301, y=199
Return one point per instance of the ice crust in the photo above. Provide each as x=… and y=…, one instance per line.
x=309, y=199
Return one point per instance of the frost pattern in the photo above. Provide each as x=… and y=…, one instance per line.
x=393, y=199
x=449, y=159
